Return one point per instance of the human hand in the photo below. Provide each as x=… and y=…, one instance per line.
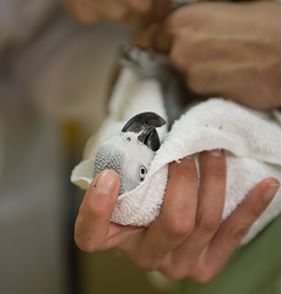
x=134, y=13
x=227, y=49
x=187, y=240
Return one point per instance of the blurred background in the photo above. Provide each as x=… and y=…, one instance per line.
x=54, y=83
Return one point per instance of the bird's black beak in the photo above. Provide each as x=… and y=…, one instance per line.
x=146, y=123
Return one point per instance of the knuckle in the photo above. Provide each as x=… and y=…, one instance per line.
x=141, y=7
x=174, y=21
x=202, y=274
x=84, y=245
x=179, y=227
x=208, y=224
x=188, y=15
x=148, y=264
x=260, y=203
x=202, y=278
x=257, y=209
x=175, y=274
x=184, y=171
x=183, y=52
x=187, y=176
x=119, y=15
x=176, y=57
x=81, y=14
x=192, y=12
x=213, y=166
x=195, y=79
x=239, y=233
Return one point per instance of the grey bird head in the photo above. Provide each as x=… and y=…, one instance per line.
x=131, y=152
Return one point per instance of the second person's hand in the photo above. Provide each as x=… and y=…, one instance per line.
x=230, y=50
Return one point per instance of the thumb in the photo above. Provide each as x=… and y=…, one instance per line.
x=94, y=216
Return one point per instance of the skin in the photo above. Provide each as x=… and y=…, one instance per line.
x=228, y=50
x=209, y=42
x=137, y=14
x=187, y=240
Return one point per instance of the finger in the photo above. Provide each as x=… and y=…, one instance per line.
x=163, y=39
x=189, y=16
x=93, y=220
x=143, y=16
x=211, y=191
x=140, y=6
x=111, y=10
x=217, y=16
x=178, y=212
x=224, y=78
x=83, y=10
x=209, y=214
x=237, y=226
x=211, y=202
x=186, y=17
x=206, y=19
x=200, y=53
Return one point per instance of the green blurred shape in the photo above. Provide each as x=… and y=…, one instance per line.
x=253, y=269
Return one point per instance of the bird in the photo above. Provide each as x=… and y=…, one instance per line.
x=130, y=152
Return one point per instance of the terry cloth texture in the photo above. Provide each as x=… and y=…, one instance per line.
x=251, y=140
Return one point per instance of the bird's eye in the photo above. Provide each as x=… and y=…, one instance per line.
x=142, y=172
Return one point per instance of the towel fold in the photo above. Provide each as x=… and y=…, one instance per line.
x=251, y=140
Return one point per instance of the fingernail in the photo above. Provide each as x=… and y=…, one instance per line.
x=272, y=189
x=217, y=152
x=106, y=182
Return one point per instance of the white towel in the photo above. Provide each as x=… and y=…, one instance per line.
x=251, y=139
